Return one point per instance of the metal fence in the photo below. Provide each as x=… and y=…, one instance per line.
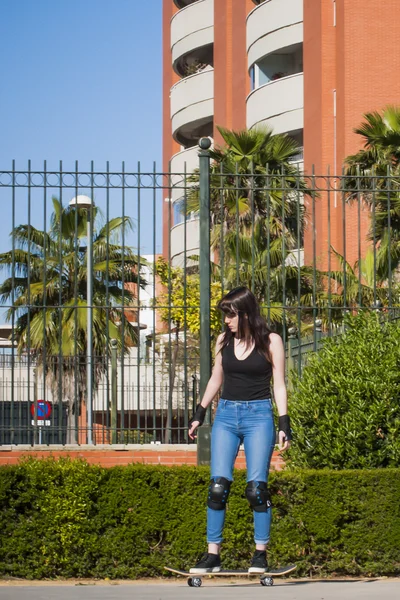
x=109, y=282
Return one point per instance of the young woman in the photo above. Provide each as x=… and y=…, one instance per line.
x=248, y=355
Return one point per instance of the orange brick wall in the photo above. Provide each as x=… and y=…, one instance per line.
x=353, y=55
x=179, y=454
x=231, y=79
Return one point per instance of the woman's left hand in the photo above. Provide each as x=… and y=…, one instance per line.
x=284, y=444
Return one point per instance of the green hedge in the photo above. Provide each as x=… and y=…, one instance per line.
x=69, y=519
x=345, y=408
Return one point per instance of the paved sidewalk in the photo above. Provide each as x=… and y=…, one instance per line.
x=389, y=589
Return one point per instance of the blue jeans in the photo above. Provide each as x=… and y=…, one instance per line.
x=252, y=424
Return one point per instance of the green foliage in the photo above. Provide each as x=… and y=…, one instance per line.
x=132, y=436
x=257, y=218
x=345, y=409
x=172, y=301
x=374, y=174
x=69, y=519
x=45, y=518
x=46, y=294
x=359, y=286
x=51, y=270
x=381, y=138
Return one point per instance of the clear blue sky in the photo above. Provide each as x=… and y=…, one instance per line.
x=80, y=79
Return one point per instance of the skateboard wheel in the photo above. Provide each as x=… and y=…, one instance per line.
x=196, y=581
x=267, y=581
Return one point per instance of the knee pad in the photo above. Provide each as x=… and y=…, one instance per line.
x=218, y=493
x=258, y=496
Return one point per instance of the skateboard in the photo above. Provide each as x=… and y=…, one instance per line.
x=266, y=578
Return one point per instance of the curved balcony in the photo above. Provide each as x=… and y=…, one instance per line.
x=188, y=158
x=192, y=36
x=278, y=104
x=178, y=242
x=182, y=162
x=270, y=28
x=192, y=108
x=183, y=3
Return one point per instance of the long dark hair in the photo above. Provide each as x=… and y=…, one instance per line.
x=251, y=326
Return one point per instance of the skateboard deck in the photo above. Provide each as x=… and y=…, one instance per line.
x=266, y=578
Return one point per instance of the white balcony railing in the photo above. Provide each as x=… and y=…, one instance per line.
x=192, y=28
x=192, y=104
x=178, y=241
x=183, y=162
x=270, y=28
x=278, y=103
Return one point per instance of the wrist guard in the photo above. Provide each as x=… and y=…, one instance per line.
x=284, y=425
x=199, y=415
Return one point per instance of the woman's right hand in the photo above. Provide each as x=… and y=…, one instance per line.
x=193, y=426
x=196, y=420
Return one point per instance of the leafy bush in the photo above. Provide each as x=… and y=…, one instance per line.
x=345, y=409
x=132, y=436
x=71, y=519
x=46, y=509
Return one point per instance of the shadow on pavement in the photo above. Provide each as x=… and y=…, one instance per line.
x=289, y=583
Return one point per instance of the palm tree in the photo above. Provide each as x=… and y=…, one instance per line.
x=374, y=174
x=250, y=258
x=381, y=136
x=363, y=285
x=46, y=295
x=252, y=175
x=257, y=215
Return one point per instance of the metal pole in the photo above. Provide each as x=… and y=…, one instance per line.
x=318, y=331
x=114, y=344
x=203, y=434
x=89, y=283
x=292, y=335
x=35, y=399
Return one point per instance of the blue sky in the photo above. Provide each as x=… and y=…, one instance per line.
x=81, y=80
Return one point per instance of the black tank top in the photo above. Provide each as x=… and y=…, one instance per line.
x=248, y=379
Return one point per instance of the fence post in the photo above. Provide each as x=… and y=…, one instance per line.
x=35, y=402
x=194, y=392
x=292, y=334
x=343, y=326
x=318, y=331
x=203, y=434
x=114, y=344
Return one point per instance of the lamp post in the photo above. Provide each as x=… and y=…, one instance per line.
x=88, y=204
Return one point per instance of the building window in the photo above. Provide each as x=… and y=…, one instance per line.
x=252, y=78
x=278, y=65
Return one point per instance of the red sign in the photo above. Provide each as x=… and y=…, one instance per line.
x=43, y=410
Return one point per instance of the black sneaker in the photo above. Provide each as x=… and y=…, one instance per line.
x=259, y=562
x=209, y=563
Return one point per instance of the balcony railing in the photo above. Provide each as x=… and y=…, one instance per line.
x=183, y=3
x=270, y=28
x=192, y=35
x=192, y=107
x=279, y=103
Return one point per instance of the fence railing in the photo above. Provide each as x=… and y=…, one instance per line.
x=106, y=332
